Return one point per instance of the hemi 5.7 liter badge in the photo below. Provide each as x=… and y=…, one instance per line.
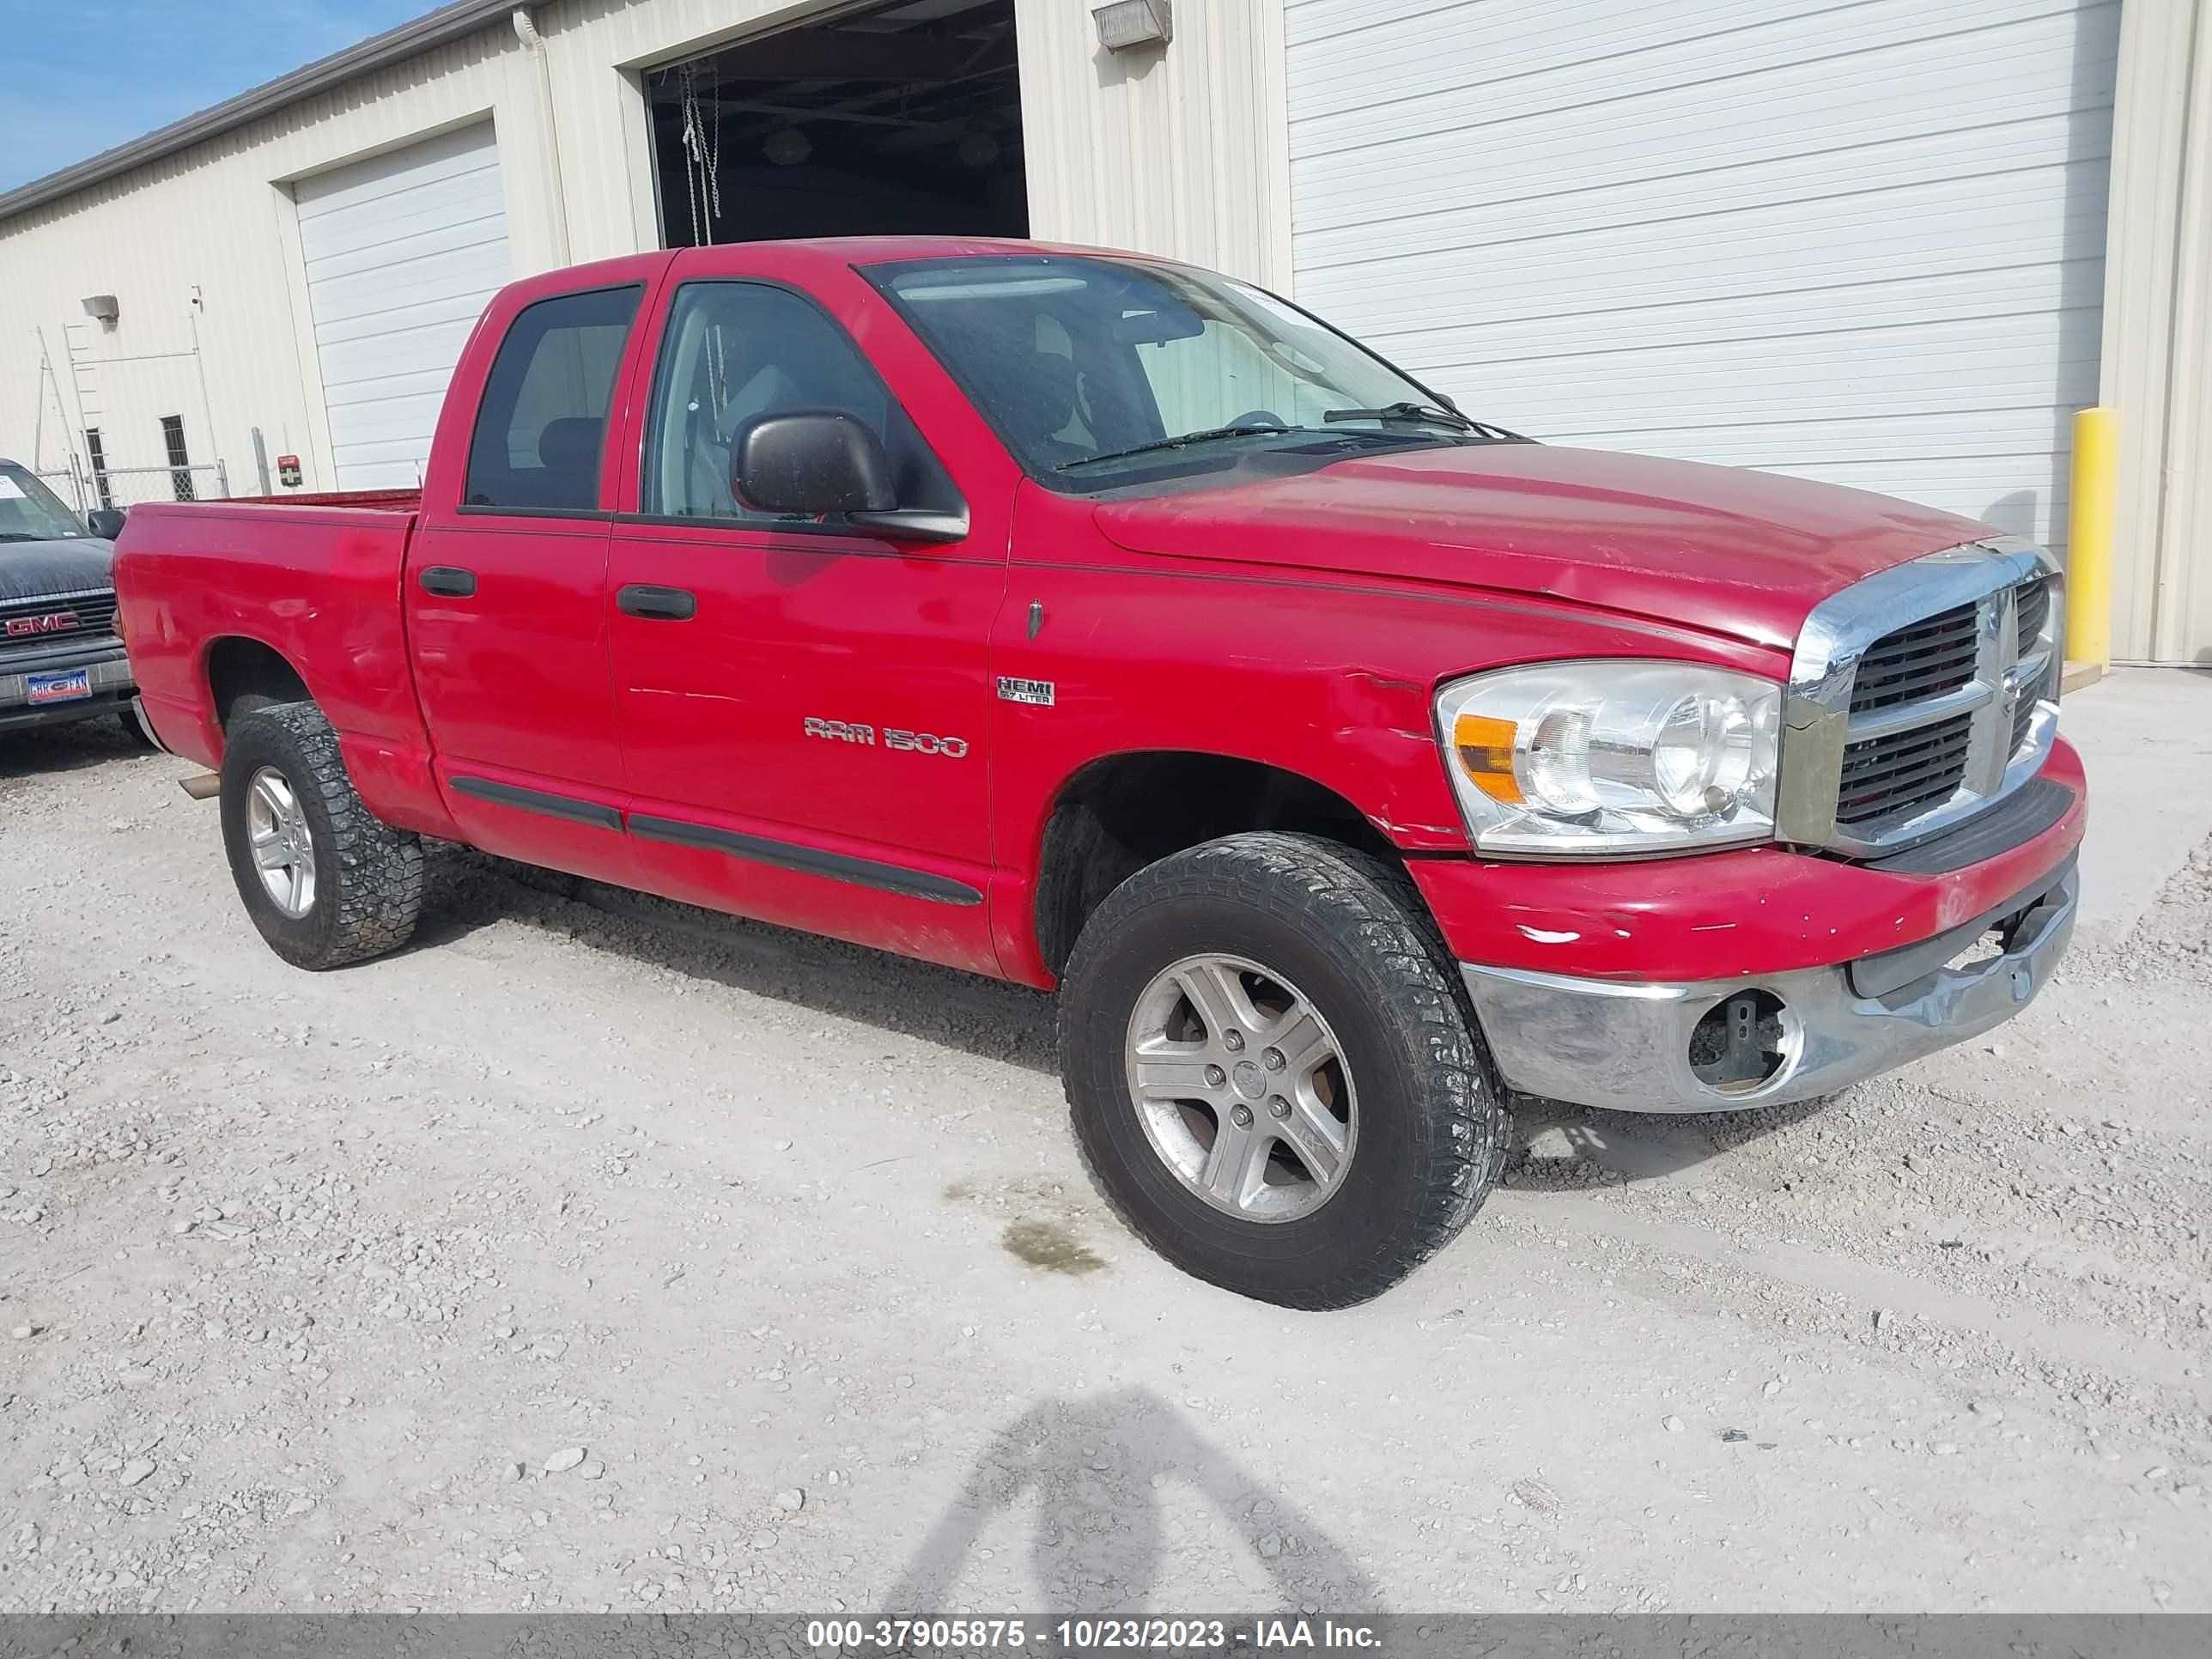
x=1036, y=691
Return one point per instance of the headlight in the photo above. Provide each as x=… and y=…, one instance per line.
x=1583, y=758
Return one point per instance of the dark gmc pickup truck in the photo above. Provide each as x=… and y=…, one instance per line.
x=60, y=658
x=1345, y=762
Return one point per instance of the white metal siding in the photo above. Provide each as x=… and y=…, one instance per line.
x=2158, y=336
x=401, y=253
x=1177, y=152
x=1861, y=242
x=217, y=223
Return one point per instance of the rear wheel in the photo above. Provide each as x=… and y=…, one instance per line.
x=1273, y=1071
x=325, y=881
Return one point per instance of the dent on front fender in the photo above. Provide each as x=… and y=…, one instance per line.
x=1383, y=723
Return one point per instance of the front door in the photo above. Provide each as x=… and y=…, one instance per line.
x=506, y=596
x=803, y=707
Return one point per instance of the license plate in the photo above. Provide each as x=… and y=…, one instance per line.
x=58, y=688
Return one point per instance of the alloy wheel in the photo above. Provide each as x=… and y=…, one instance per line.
x=1242, y=1088
x=284, y=845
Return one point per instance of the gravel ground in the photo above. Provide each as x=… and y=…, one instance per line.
x=599, y=1253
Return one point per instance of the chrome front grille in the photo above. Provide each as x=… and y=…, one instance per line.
x=2033, y=599
x=1903, y=771
x=1923, y=660
x=1921, y=695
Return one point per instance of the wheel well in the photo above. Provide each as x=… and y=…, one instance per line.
x=1118, y=815
x=245, y=674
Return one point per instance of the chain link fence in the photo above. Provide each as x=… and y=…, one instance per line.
x=132, y=486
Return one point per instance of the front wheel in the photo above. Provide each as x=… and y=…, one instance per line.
x=325, y=881
x=1274, y=1073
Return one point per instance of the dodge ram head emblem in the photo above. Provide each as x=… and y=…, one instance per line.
x=54, y=621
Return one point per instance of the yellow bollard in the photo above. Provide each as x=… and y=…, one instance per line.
x=2089, y=537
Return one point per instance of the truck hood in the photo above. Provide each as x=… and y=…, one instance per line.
x=31, y=570
x=1721, y=548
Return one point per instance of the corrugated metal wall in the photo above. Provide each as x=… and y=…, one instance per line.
x=2158, y=333
x=219, y=220
x=1862, y=242
x=1176, y=153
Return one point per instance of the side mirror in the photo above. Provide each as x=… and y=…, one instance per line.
x=814, y=462
x=104, y=522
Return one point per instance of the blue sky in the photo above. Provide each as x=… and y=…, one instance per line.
x=76, y=79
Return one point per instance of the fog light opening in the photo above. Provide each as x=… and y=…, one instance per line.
x=1741, y=1044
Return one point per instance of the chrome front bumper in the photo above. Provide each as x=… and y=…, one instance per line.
x=1626, y=1046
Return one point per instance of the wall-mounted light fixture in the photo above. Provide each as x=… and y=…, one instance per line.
x=1128, y=24
x=103, y=306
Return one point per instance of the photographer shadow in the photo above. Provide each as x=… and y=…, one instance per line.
x=1097, y=1469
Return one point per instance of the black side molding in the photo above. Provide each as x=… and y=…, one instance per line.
x=785, y=855
x=537, y=800
x=808, y=861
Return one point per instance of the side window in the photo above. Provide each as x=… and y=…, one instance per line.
x=543, y=421
x=735, y=351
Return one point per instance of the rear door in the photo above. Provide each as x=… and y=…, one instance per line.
x=803, y=705
x=506, y=590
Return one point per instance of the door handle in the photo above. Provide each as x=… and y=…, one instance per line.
x=448, y=582
x=657, y=604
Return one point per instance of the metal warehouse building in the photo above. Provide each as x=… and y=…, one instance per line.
x=1889, y=243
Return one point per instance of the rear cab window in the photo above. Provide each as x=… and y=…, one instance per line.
x=541, y=424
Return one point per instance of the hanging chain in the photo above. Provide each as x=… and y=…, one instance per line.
x=701, y=143
x=702, y=158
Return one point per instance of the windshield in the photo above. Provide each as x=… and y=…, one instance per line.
x=29, y=511
x=1084, y=364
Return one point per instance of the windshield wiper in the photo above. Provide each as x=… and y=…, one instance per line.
x=1408, y=411
x=1240, y=429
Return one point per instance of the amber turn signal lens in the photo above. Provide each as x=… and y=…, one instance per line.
x=1485, y=747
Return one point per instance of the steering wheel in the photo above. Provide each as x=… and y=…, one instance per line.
x=1254, y=416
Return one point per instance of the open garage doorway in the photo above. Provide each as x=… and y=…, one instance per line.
x=894, y=118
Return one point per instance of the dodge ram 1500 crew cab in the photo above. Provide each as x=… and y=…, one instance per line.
x=1346, y=762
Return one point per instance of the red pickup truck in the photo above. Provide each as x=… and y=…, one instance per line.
x=1347, y=764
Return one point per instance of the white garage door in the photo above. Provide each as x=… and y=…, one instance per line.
x=401, y=252
x=1863, y=242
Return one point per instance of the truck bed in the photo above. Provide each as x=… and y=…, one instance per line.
x=312, y=581
x=380, y=500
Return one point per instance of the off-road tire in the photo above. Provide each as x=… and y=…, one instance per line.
x=369, y=876
x=1353, y=935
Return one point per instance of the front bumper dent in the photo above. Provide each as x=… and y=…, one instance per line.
x=1625, y=1046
